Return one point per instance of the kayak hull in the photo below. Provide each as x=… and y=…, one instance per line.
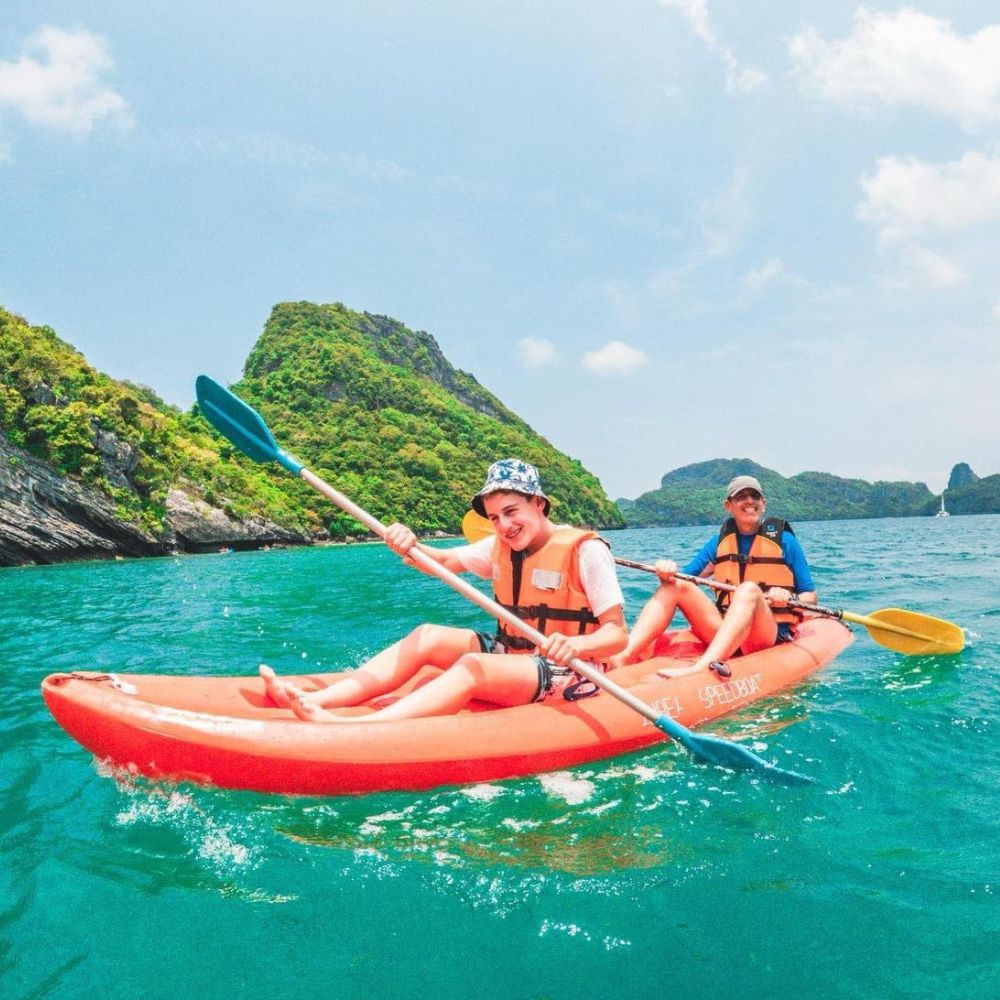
x=225, y=732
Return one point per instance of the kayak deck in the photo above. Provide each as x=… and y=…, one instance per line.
x=226, y=732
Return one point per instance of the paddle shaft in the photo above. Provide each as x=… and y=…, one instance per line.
x=245, y=427
x=818, y=609
x=466, y=589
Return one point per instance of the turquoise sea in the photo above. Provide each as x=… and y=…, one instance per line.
x=647, y=875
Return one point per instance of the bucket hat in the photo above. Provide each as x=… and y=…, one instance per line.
x=510, y=475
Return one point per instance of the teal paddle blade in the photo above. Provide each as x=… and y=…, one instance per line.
x=725, y=753
x=241, y=424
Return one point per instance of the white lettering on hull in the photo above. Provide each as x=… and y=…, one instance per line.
x=731, y=692
x=665, y=706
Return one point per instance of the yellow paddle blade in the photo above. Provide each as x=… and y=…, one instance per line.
x=475, y=527
x=910, y=633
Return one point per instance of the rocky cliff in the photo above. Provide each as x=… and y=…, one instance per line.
x=94, y=468
x=46, y=517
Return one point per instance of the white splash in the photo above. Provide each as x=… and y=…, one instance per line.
x=483, y=793
x=569, y=930
x=519, y=825
x=217, y=843
x=566, y=786
x=604, y=807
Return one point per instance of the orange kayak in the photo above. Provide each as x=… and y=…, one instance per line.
x=225, y=732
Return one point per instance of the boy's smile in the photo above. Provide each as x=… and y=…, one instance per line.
x=518, y=520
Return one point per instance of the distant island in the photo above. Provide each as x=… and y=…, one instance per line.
x=693, y=495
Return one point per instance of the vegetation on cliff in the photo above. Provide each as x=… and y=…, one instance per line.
x=976, y=496
x=377, y=410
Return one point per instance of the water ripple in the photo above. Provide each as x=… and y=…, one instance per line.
x=653, y=856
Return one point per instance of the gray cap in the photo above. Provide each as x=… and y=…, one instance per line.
x=742, y=483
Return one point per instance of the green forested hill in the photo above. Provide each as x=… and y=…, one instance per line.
x=694, y=493
x=377, y=410
x=365, y=402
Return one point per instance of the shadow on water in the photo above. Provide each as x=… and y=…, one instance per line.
x=48, y=986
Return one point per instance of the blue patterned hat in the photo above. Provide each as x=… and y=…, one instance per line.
x=510, y=475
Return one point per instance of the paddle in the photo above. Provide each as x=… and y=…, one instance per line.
x=893, y=628
x=242, y=425
x=906, y=632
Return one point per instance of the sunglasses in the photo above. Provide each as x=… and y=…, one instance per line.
x=746, y=495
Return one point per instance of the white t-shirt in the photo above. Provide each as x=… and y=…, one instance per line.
x=597, y=570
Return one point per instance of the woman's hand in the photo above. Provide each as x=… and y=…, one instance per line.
x=665, y=570
x=778, y=597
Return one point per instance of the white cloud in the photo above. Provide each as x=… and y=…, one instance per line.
x=56, y=83
x=696, y=14
x=615, y=357
x=769, y=272
x=905, y=58
x=907, y=196
x=742, y=78
x=739, y=79
x=928, y=267
x=535, y=353
x=996, y=310
x=275, y=150
x=723, y=219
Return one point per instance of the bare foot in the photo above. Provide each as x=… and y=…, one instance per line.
x=282, y=693
x=309, y=711
x=620, y=660
x=672, y=672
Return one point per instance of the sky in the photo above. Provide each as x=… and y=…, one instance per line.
x=661, y=231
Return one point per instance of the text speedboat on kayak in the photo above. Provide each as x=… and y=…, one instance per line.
x=224, y=731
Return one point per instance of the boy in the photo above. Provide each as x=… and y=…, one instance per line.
x=561, y=580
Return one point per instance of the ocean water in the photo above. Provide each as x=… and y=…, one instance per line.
x=647, y=874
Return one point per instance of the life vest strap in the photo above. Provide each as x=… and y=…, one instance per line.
x=517, y=643
x=746, y=560
x=540, y=611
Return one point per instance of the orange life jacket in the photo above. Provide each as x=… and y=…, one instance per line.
x=764, y=564
x=543, y=588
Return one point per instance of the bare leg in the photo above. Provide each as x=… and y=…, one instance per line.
x=503, y=679
x=426, y=645
x=651, y=623
x=748, y=623
x=702, y=615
